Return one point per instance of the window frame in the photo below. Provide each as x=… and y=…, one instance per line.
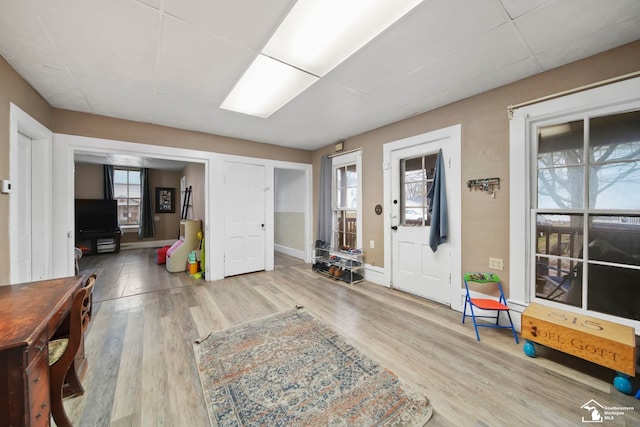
x=614, y=98
x=348, y=159
x=127, y=227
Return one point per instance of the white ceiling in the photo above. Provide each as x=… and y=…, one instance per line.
x=172, y=62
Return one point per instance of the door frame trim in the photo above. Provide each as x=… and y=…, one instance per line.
x=41, y=146
x=454, y=135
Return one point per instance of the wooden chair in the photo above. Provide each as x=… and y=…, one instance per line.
x=62, y=353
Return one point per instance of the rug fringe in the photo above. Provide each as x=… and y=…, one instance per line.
x=199, y=340
x=203, y=338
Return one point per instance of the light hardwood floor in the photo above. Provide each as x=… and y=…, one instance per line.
x=142, y=370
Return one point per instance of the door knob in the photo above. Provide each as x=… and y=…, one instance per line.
x=394, y=227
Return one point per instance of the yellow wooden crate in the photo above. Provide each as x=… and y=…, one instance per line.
x=604, y=343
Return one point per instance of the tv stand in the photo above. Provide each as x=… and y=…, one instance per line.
x=98, y=242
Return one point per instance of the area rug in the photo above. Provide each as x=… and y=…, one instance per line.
x=290, y=369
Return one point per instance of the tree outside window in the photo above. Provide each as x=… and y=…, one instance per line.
x=588, y=214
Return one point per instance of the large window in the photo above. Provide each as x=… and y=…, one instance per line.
x=586, y=205
x=346, y=202
x=126, y=190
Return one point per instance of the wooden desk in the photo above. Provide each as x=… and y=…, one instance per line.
x=30, y=314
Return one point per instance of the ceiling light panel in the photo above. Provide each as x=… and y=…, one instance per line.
x=317, y=35
x=266, y=86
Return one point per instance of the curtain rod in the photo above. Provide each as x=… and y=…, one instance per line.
x=511, y=108
x=331, y=156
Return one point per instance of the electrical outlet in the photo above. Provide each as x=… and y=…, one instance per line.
x=496, y=264
x=372, y=244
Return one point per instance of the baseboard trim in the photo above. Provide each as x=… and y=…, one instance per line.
x=375, y=275
x=146, y=244
x=289, y=251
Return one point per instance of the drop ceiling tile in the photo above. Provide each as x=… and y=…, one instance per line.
x=22, y=38
x=322, y=97
x=606, y=38
x=516, y=8
x=95, y=37
x=195, y=62
x=117, y=98
x=156, y=4
x=508, y=74
x=493, y=51
x=246, y=22
x=187, y=112
x=569, y=21
x=58, y=87
x=430, y=31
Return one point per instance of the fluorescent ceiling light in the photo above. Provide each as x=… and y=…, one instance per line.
x=317, y=35
x=266, y=86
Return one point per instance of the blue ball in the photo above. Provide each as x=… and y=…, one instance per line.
x=529, y=349
x=622, y=384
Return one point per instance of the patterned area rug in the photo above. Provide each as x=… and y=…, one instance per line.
x=290, y=369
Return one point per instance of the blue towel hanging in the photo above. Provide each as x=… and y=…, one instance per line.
x=438, y=206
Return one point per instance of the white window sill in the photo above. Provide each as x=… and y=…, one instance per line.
x=129, y=228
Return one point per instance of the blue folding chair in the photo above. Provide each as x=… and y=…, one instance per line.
x=486, y=304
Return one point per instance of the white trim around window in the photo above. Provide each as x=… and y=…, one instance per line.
x=350, y=159
x=610, y=99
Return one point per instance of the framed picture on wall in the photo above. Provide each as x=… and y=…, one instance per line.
x=165, y=200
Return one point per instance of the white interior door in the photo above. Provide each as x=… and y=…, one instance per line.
x=244, y=218
x=415, y=267
x=22, y=191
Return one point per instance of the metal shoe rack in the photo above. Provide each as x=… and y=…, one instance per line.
x=343, y=265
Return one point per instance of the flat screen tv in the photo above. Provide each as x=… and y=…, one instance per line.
x=96, y=215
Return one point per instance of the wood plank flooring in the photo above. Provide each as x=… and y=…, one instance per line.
x=142, y=370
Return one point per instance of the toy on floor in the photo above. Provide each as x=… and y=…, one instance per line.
x=180, y=250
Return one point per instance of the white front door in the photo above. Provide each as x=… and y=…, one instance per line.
x=22, y=191
x=415, y=267
x=244, y=187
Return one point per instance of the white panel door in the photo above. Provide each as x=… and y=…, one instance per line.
x=244, y=218
x=22, y=191
x=416, y=269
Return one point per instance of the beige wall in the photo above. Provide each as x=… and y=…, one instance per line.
x=194, y=174
x=289, y=230
x=88, y=181
x=74, y=123
x=485, y=153
x=167, y=225
x=13, y=88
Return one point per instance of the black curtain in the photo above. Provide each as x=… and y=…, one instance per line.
x=108, y=182
x=145, y=228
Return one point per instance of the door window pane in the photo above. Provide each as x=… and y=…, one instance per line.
x=416, y=180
